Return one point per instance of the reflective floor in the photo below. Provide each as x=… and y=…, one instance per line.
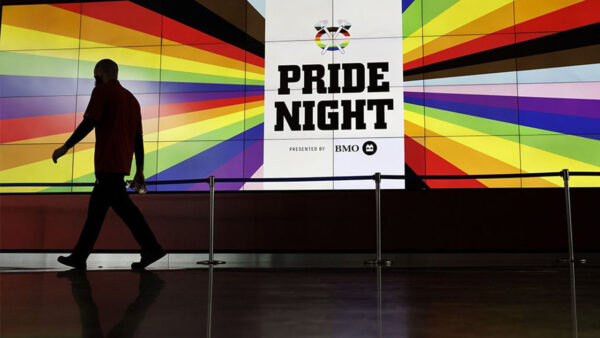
x=558, y=301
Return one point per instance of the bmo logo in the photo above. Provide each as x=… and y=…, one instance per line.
x=369, y=148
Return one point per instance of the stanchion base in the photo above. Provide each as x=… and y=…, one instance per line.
x=211, y=262
x=375, y=262
x=577, y=260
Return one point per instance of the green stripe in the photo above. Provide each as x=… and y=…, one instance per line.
x=431, y=9
x=579, y=148
x=86, y=70
x=411, y=19
x=176, y=153
x=254, y=121
x=582, y=149
x=175, y=76
x=483, y=125
x=12, y=63
x=56, y=189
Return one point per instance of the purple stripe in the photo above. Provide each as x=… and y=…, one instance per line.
x=14, y=85
x=19, y=107
x=232, y=169
x=255, y=93
x=414, y=95
x=571, y=107
x=254, y=157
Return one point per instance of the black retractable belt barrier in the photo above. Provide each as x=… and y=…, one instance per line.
x=378, y=177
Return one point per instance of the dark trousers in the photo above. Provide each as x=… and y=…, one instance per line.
x=110, y=191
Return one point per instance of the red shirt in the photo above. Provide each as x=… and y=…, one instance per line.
x=118, y=120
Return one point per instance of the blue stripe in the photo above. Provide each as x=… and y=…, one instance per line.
x=188, y=87
x=206, y=162
x=255, y=133
x=200, y=165
x=12, y=85
x=564, y=124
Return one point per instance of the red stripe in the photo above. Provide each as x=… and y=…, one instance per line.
x=255, y=60
x=69, y=7
x=578, y=15
x=185, y=35
x=186, y=107
x=414, y=155
x=126, y=14
x=12, y=130
x=176, y=31
x=130, y=15
x=435, y=165
x=474, y=46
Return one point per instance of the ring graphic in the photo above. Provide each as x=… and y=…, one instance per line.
x=331, y=42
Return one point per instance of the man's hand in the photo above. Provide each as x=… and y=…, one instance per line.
x=58, y=153
x=139, y=183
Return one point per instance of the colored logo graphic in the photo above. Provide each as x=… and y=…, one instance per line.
x=331, y=41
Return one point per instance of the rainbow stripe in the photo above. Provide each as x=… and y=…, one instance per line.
x=502, y=86
x=202, y=97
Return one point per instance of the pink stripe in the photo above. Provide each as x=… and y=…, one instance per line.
x=567, y=90
x=415, y=89
x=499, y=89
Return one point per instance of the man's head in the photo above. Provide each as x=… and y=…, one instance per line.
x=105, y=70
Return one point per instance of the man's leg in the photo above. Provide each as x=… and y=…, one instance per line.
x=97, y=208
x=119, y=200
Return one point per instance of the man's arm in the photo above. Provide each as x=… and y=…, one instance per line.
x=82, y=130
x=139, y=153
x=139, y=182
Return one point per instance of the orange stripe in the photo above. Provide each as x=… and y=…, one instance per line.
x=18, y=155
x=44, y=18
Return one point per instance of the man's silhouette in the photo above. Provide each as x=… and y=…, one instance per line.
x=115, y=114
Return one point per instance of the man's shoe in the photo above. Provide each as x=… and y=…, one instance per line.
x=148, y=259
x=72, y=262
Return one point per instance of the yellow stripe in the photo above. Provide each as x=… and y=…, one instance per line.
x=44, y=171
x=94, y=31
x=84, y=161
x=191, y=130
x=182, y=65
x=415, y=127
x=18, y=38
x=147, y=57
x=458, y=15
x=537, y=160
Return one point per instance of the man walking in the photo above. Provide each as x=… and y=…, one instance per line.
x=115, y=114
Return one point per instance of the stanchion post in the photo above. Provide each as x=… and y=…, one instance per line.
x=565, y=176
x=379, y=261
x=210, y=302
x=211, y=248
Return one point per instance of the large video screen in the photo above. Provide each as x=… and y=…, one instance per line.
x=287, y=88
